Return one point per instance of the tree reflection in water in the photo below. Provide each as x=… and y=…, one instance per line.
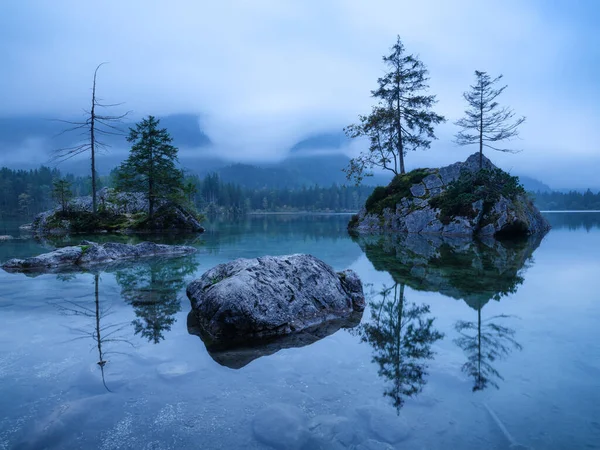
x=474, y=271
x=401, y=334
x=485, y=342
x=101, y=331
x=152, y=288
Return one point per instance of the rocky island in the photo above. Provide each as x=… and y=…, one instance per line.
x=87, y=254
x=460, y=199
x=118, y=212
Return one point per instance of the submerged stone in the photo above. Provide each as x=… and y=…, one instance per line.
x=281, y=427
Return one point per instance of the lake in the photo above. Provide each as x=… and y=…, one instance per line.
x=464, y=345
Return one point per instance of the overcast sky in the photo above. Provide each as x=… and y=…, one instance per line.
x=263, y=74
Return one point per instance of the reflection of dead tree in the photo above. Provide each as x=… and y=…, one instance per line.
x=484, y=342
x=101, y=334
x=94, y=125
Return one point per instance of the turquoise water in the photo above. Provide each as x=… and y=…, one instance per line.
x=464, y=345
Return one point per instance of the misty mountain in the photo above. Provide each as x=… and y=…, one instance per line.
x=18, y=133
x=315, y=159
x=323, y=141
x=296, y=171
x=533, y=185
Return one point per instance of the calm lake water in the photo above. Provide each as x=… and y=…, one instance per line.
x=465, y=345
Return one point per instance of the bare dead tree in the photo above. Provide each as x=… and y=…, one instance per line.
x=485, y=122
x=94, y=125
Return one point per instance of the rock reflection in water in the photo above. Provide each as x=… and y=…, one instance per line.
x=237, y=354
x=475, y=271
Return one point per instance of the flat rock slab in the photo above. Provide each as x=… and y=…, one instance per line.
x=91, y=253
x=271, y=296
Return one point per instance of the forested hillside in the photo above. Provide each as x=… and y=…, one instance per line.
x=25, y=193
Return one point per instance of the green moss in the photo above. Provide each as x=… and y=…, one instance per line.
x=470, y=187
x=85, y=248
x=85, y=221
x=392, y=194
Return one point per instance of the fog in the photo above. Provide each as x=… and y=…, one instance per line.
x=261, y=76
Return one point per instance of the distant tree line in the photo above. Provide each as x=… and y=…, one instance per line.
x=212, y=195
x=25, y=193
x=570, y=201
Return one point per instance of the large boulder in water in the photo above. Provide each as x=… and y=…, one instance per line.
x=271, y=296
x=460, y=199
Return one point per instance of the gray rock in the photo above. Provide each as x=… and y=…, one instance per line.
x=432, y=181
x=488, y=230
x=90, y=253
x=418, y=190
x=460, y=226
x=272, y=296
x=282, y=427
x=420, y=219
x=435, y=192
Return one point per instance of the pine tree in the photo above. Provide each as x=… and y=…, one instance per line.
x=485, y=122
x=402, y=120
x=150, y=167
x=61, y=193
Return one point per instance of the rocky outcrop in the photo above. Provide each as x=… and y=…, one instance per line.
x=90, y=253
x=259, y=298
x=117, y=212
x=458, y=199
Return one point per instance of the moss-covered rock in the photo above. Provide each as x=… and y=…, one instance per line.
x=460, y=199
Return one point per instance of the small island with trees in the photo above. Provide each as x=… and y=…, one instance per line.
x=149, y=193
x=466, y=198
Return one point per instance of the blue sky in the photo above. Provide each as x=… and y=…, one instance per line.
x=263, y=74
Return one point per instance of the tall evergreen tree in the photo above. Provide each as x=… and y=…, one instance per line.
x=485, y=122
x=402, y=120
x=150, y=167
